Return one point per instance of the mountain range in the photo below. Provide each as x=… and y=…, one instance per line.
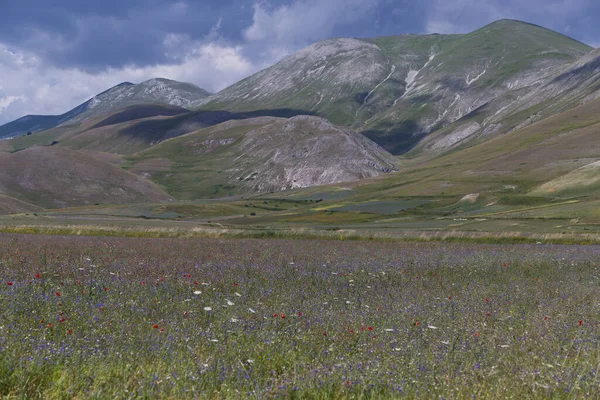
x=401, y=116
x=153, y=91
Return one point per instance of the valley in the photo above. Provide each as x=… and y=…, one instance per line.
x=483, y=136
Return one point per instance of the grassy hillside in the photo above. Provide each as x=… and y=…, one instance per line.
x=54, y=177
x=125, y=131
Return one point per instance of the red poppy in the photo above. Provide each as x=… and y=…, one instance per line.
x=476, y=334
x=196, y=283
x=70, y=332
x=274, y=315
x=370, y=328
x=300, y=314
x=155, y=326
x=580, y=322
x=237, y=284
x=143, y=282
x=324, y=333
x=49, y=325
x=282, y=315
x=58, y=294
x=417, y=323
x=9, y=283
x=105, y=289
x=37, y=276
x=546, y=318
x=486, y=299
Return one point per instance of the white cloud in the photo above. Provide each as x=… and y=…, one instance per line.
x=28, y=86
x=288, y=27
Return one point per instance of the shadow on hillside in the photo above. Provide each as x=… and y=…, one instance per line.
x=277, y=112
x=156, y=130
x=396, y=138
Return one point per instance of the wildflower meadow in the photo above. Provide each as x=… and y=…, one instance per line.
x=92, y=317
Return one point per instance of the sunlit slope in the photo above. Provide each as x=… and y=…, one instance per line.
x=526, y=161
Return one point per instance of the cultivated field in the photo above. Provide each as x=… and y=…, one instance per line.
x=85, y=317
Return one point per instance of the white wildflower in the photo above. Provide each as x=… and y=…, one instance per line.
x=252, y=311
x=230, y=303
x=197, y=292
x=237, y=294
x=432, y=327
x=207, y=309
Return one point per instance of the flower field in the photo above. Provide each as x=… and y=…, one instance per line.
x=85, y=317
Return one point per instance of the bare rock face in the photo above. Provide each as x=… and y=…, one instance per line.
x=308, y=151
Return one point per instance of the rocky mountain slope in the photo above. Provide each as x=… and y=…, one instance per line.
x=260, y=155
x=153, y=91
x=397, y=90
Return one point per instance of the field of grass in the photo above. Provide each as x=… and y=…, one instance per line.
x=96, y=317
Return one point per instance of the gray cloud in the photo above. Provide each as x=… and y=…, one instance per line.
x=461, y=16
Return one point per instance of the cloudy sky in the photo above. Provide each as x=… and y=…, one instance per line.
x=53, y=57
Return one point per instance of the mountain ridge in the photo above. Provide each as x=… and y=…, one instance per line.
x=152, y=91
x=409, y=85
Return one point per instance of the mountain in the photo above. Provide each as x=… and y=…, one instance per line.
x=153, y=91
x=53, y=177
x=564, y=88
x=124, y=131
x=260, y=155
x=397, y=90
